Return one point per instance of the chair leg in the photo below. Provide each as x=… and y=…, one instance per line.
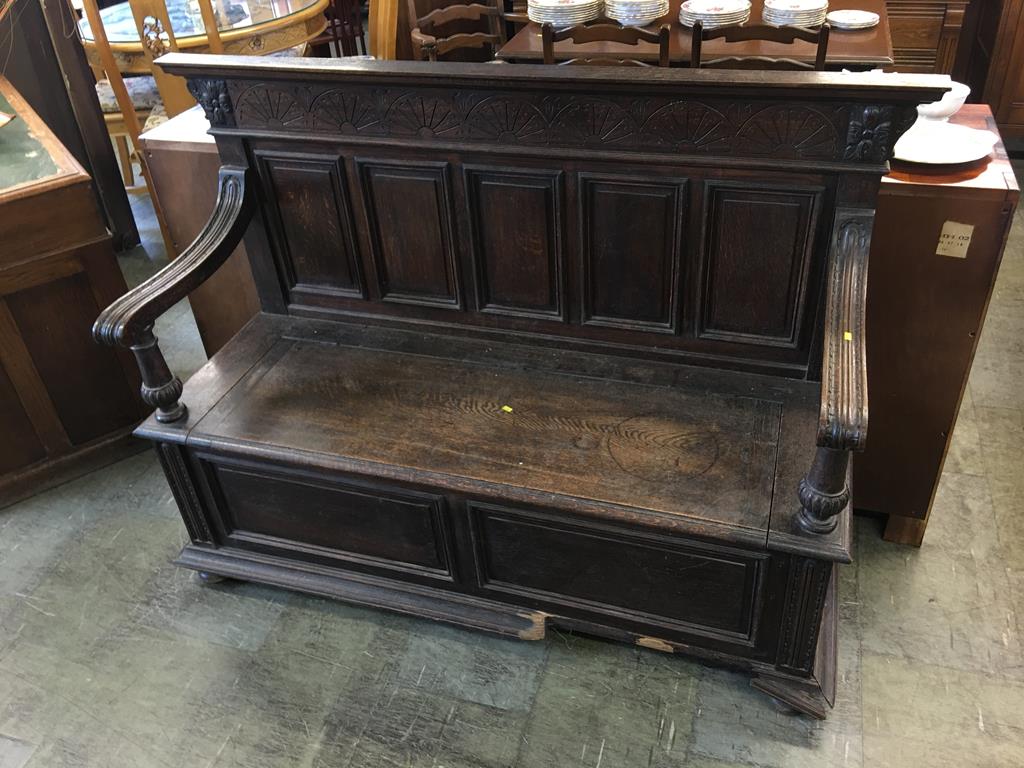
x=125, y=153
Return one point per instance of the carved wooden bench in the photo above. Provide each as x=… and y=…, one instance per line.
x=538, y=347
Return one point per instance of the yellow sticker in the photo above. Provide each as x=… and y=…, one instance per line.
x=507, y=408
x=847, y=336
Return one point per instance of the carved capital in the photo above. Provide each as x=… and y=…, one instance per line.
x=212, y=95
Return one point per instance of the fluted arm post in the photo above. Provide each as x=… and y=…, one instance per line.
x=128, y=322
x=843, y=422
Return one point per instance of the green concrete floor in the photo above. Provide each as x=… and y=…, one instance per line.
x=111, y=657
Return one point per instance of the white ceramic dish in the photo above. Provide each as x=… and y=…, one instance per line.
x=940, y=143
x=948, y=105
x=852, y=19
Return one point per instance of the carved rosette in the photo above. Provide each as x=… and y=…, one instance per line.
x=212, y=95
x=870, y=135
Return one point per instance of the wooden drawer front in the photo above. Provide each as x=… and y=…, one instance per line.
x=689, y=587
x=326, y=520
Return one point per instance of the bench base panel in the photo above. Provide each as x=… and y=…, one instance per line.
x=812, y=695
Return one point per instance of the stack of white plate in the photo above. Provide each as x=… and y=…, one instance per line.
x=851, y=19
x=795, y=13
x=714, y=13
x=635, y=13
x=564, y=13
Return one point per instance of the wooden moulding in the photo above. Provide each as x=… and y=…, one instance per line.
x=501, y=420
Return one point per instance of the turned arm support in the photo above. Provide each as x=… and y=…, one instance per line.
x=128, y=322
x=843, y=419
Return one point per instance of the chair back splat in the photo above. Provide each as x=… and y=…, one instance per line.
x=429, y=43
x=577, y=347
x=605, y=32
x=764, y=33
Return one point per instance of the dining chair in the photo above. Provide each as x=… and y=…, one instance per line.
x=604, y=32
x=383, y=22
x=428, y=45
x=128, y=119
x=739, y=34
x=344, y=34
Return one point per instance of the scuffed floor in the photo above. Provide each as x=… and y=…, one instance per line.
x=111, y=657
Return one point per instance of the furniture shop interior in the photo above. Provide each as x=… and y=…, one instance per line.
x=511, y=384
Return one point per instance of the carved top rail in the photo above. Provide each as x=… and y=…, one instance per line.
x=851, y=120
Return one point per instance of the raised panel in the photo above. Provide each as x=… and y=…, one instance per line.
x=517, y=241
x=411, y=229
x=631, y=239
x=19, y=446
x=596, y=569
x=317, y=247
x=54, y=320
x=333, y=520
x=759, y=243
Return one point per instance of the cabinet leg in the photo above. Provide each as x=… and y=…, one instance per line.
x=905, y=530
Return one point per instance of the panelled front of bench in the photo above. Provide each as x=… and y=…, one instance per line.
x=537, y=347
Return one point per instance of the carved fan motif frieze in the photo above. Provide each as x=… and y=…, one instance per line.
x=423, y=116
x=506, y=120
x=782, y=130
x=687, y=125
x=593, y=121
x=344, y=112
x=691, y=125
x=271, y=107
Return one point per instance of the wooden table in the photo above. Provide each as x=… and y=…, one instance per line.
x=66, y=405
x=254, y=28
x=865, y=49
x=921, y=342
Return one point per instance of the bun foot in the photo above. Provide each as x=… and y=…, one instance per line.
x=211, y=578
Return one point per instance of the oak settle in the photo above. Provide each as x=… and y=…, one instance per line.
x=538, y=347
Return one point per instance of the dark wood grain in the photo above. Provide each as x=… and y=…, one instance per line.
x=920, y=345
x=65, y=409
x=517, y=241
x=534, y=415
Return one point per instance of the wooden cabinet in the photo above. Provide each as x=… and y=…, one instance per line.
x=925, y=33
x=65, y=405
x=183, y=161
x=921, y=340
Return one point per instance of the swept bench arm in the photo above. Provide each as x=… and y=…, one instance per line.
x=843, y=422
x=129, y=320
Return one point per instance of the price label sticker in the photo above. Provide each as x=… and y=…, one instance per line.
x=954, y=240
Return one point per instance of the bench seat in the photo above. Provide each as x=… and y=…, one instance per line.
x=535, y=485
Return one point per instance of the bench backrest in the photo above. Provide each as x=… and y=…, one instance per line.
x=683, y=213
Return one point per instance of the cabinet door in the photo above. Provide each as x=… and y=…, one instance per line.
x=60, y=390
